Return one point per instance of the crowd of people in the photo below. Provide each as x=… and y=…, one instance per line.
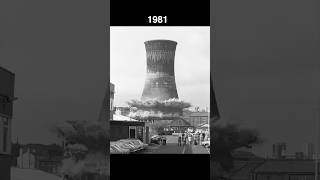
x=191, y=138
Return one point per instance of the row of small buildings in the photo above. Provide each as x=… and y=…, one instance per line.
x=32, y=156
x=279, y=151
x=122, y=126
x=249, y=167
x=273, y=169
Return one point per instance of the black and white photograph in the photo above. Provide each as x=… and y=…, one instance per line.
x=160, y=87
x=210, y=89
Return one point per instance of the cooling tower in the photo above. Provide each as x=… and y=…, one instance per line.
x=160, y=80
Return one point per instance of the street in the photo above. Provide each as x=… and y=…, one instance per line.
x=172, y=148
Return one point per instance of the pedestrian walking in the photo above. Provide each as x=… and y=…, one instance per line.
x=190, y=139
x=179, y=140
x=195, y=140
x=66, y=177
x=184, y=140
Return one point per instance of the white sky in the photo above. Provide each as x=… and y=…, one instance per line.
x=192, y=62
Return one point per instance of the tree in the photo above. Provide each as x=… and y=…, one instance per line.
x=226, y=139
x=87, y=144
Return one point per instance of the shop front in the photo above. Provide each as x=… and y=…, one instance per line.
x=126, y=130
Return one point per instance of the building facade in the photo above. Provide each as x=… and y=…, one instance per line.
x=285, y=170
x=6, y=111
x=127, y=129
x=279, y=150
x=196, y=118
x=310, y=151
x=122, y=126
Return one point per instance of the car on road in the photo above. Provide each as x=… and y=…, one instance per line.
x=157, y=139
x=206, y=143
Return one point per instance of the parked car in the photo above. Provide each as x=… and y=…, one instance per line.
x=157, y=139
x=124, y=145
x=116, y=149
x=113, y=150
x=206, y=143
x=131, y=143
x=167, y=132
x=135, y=142
x=176, y=134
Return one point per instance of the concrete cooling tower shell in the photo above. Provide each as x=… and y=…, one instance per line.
x=160, y=80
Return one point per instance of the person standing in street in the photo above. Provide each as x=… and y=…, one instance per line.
x=184, y=140
x=198, y=139
x=190, y=139
x=195, y=139
x=179, y=140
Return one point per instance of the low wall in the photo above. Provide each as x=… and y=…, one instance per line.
x=5, y=164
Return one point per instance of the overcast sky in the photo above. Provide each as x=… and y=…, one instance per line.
x=192, y=62
x=266, y=68
x=57, y=50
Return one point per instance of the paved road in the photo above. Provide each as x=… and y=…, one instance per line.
x=172, y=148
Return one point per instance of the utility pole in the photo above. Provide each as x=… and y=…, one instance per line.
x=317, y=141
x=209, y=122
x=208, y=109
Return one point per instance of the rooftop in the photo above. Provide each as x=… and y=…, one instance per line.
x=180, y=123
x=242, y=169
x=119, y=117
x=199, y=114
x=6, y=70
x=287, y=166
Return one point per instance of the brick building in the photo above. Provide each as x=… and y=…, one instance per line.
x=196, y=119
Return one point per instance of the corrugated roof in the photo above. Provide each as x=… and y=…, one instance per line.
x=203, y=125
x=180, y=123
x=243, y=169
x=199, y=114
